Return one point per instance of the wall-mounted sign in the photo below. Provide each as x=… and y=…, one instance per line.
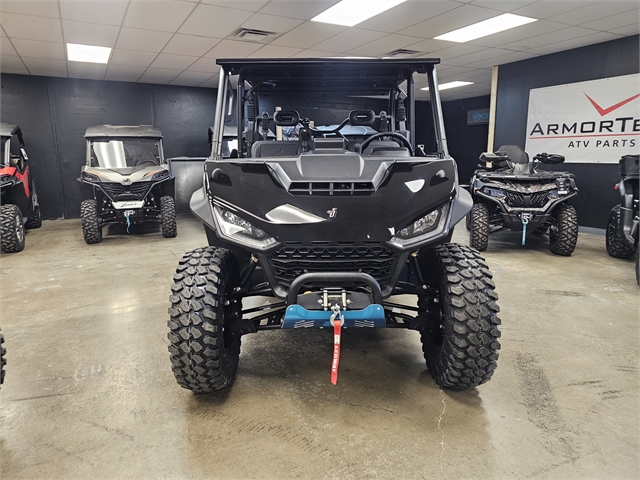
x=587, y=122
x=479, y=116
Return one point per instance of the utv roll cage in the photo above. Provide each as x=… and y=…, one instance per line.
x=337, y=76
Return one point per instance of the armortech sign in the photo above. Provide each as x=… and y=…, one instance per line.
x=587, y=122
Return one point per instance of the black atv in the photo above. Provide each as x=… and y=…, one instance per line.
x=509, y=192
x=622, y=227
x=332, y=224
x=127, y=181
x=18, y=198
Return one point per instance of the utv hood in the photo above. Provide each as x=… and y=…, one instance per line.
x=325, y=197
x=125, y=176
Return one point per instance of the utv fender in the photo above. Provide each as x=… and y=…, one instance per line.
x=462, y=205
x=201, y=207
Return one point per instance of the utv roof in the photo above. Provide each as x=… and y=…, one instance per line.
x=123, y=131
x=6, y=129
x=327, y=72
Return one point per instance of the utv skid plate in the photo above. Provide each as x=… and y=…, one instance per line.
x=299, y=317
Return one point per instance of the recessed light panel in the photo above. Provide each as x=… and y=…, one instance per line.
x=87, y=53
x=486, y=27
x=351, y=12
x=446, y=86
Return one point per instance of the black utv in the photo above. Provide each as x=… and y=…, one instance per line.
x=126, y=181
x=510, y=192
x=332, y=224
x=622, y=227
x=18, y=198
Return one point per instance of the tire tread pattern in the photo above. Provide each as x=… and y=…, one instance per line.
x=468, y=354
x=9, y=241
x=479, y=227
x=91, y=228
x=168, y=217
x=564, y=241
x=616, y=246
x=200, y=360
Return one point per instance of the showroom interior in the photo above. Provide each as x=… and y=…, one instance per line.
x=88, y=388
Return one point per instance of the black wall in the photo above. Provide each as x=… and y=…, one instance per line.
x=609, y=59
x=55, y=112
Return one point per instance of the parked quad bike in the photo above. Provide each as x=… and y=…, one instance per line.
x=510, y=192
x=332, y=224
x=622, y=226
x=19, y=208
x=126, y=181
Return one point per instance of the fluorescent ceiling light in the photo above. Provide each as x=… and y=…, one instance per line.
x=446, y=86
x=87, y=53
x=352, y=12
x=487, y=27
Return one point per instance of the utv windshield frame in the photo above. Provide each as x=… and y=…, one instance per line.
x=351, y=76
x=93, y=158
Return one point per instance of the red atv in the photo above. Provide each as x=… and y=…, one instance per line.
x=19, y=207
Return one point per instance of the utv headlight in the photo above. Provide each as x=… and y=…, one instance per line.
x=421, y=228
x=553, y=193
x=237, y=229
x=160, y=175
x=494, y=192
x=91, y=177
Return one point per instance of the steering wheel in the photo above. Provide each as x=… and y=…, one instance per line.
x=398, y=137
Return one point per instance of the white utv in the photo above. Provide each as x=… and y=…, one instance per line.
x=127, y=181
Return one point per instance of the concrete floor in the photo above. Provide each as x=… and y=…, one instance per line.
x=89, y=392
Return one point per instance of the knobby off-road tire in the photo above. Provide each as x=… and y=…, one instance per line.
x=638, y=266
x=204, y=347
x=3, y=361
x=460, y=336
x=479, y=227
x=467, y=221
x=616, y=245
x=11, y=229
x=168, y=217
x=563, y=239
x=91, y=228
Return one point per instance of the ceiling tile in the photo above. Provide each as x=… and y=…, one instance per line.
x=175, y=62
x=39, y=8
x=191, y=78
x=384, y=45
x=132, y=58
x=205, y=65
x=348, y=40
x=271, y=23
x=451, y=20
x=46, y=66
x=89, y=33
x=249, y=5
x=614, y=22
x=308, y=34
x=503, y=5
x=190, y=45
x=314, y=54
x=275, y=51
x=233, y=49
x=159, y=75
x=163, y=15
x=501, y=60
x=109, y=12
x=549, y=8
x=11, y=64
x=31, y=28
x=87, y=70
x=431, y=45
x=408, y=14
x=6, y=48
x=124, y=73
x=145, y=40
x=484, y=54
x=210, y=21
x=212, y=82
x=550, y=38
x=38, y=49
x=628, y=30
x=573, y=43
x=457, y=50
x=515, y=35
x=302, y=9
x=595, y=12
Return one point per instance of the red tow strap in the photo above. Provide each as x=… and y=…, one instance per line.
x=337, y=330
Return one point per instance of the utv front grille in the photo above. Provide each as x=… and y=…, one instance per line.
x=121, y=193
x=294, y=259
x=331, y=188
x=524, y=200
